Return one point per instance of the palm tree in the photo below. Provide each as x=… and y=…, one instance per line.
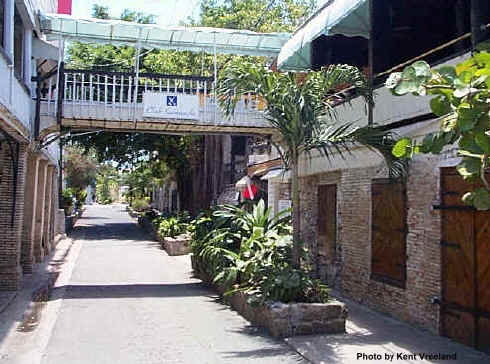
x=301, y=109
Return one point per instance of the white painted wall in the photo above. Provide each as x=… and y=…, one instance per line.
x=46, y=6
x=13, y=96
x=388, y=108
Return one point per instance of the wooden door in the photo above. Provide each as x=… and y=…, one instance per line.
x=327, y=229
x=388, y=232
x=465, y=255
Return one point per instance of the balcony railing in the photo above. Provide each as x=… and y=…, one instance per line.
x=118, y=96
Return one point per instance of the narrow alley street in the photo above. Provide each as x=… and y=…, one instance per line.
x=119, y=298
x=129, y=302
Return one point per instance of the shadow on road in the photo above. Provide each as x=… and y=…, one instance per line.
x=137, y=291
x=261, y=354
x=95, y=218
x=113, y=230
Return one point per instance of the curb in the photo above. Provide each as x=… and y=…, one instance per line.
x=42, y=291
x=6, y=301
x=9, y=297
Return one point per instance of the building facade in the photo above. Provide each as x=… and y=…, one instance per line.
x=407, y=248
x=29, y=171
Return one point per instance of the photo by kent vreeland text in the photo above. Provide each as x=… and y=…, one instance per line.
x=406, y=356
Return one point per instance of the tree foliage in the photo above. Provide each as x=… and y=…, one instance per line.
x=107, y=188
x=303, y=116
x=80, y=168
x=257, y=15
x=129, y=148
x=143, y=176
x=137, y=17
x=100, y=12
x=462, y=100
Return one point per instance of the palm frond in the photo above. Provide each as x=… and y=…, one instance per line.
x=340, y=139
x=303, y=110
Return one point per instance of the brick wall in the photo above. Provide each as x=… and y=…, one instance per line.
x=39, y=241
x=30, y=199
x=48, y=196
x=309, y=222
x=351, y=274
x=10, y=234
x=54, y=208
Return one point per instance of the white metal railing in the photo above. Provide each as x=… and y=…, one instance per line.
x=119, y=97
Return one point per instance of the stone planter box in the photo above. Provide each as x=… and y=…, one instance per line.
x=285, y=320
x=180, y=245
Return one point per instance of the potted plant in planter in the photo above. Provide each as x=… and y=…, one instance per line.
x=172, y=232
x=68, y=201
x=247, y=257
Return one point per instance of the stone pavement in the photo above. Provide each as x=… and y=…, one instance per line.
x=128, y=302
x=20, y=315
x=375, y=338
x=39, y=275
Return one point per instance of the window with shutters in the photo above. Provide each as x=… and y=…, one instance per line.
x=388, y=232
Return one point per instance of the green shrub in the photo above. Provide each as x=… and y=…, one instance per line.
x=251, y=252
x=267, y=275
x=140, y=204
x=68, y=197
x=80, y=196
x=171, y=227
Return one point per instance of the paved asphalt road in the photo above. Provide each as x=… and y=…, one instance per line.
x=128, y=302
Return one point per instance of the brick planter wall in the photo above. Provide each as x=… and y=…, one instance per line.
x=284, y=320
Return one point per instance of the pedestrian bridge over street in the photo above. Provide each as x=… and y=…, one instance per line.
x=97, y=100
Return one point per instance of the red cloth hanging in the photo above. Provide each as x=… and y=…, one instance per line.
x=247, y=190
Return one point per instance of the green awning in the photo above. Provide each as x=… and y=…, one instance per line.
x=336, y=17
x=228, y=41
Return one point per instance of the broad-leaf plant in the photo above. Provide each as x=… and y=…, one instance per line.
x=462, y=100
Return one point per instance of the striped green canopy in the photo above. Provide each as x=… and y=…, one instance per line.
x=341, y=17
x=228, y=41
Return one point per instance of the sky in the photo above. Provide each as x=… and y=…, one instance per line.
x=169, y=12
